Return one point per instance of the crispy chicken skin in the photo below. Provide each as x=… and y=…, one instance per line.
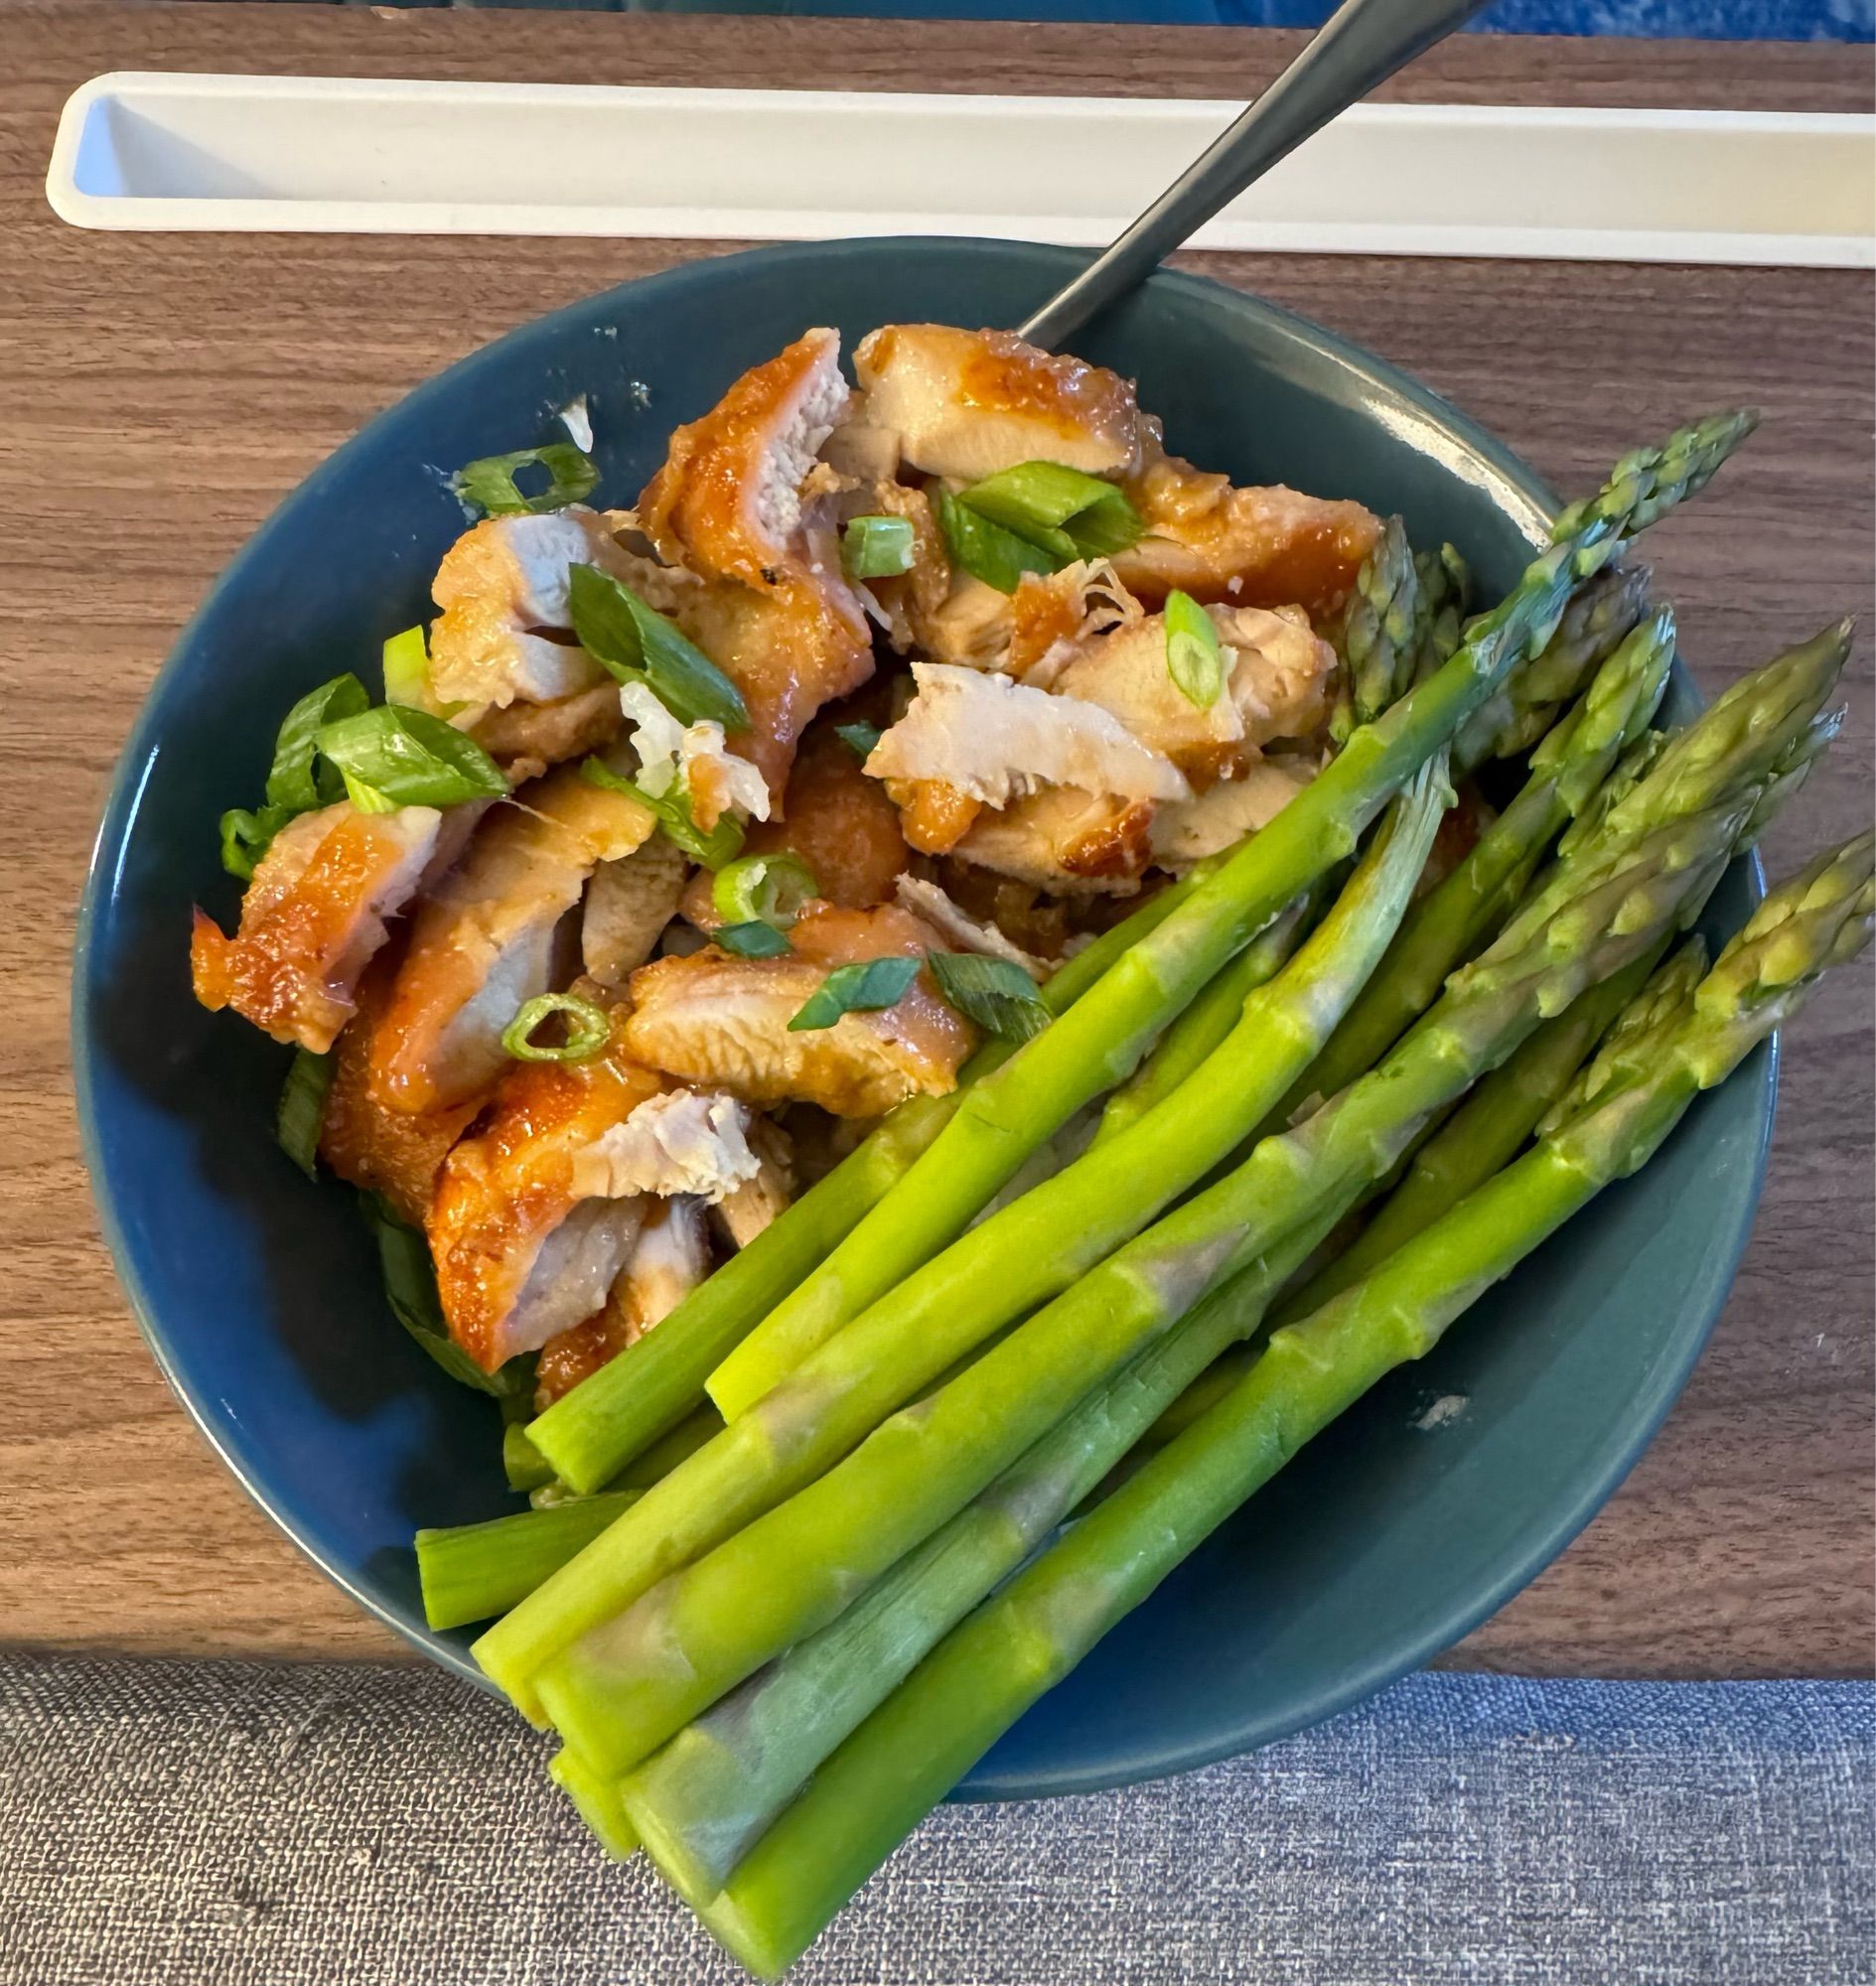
x=669, y=1257
x=383, y=1151
x=520, y=1254
x=1249, y=547
x=967, y=403
x=727, y=501
x=313, y=917
x=483, y=943
x=719, y=1021
x=838, y=821
x=776, y=614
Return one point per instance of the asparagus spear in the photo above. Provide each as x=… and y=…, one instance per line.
x=1207, y=1023
x=1377, y=632
x=1600, y=614
x=1089, y=1048
x=1760, y=734
x=1024, y=1253
x=473, y=1572
x=588, y=1436
x=1490, y=1127
x=627, y=1684
x=1033, y=1094
x=1100, y=1043
x=1640, y=1035
x=598, y=1802
x=1440, y=610
x=1634, y=765
x=1447, y=924
x=702, y=1800
x=889, y=1774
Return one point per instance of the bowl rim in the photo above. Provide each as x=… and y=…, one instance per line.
x=1507, y=471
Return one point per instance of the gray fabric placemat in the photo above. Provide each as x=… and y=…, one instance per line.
x=241, y=1824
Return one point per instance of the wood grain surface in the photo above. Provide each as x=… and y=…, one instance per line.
x=159, y=394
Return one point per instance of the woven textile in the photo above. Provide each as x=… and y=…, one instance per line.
x=239, y=1825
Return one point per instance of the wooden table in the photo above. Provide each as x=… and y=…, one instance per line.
x=159, y=394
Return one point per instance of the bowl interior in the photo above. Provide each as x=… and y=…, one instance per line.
x=1383, y=1543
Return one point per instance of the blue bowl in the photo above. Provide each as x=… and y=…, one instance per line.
x=1380, y=1546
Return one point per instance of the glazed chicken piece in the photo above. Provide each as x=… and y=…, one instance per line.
x=996, y=740
x=735, y=502
x=723, y=1022
x=387, y=1151
x=1068, y=842
x=314, y=915
x=628, y=904
x=1221, y=816
x=1251, y=547
x=727, y=502
x=837, y=820
x=482, y=943
x=521, y=1253
x=669, y=1258
x=504, y=633
x=1276, y=687
x=967, y=403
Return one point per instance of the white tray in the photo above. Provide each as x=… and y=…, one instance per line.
x=326, y=155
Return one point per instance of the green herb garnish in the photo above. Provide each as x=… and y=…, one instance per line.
x=856, y=989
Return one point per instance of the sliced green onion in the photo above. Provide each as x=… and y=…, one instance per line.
x=408, y=674
x=1071, y=514
x=589, y=1029
x=408, y=669
x=859, y=739
x=395, y=757
x=247, y=837
x=673, y=810
x=301, y=1108
x=876, y=548
x=754, y=939
x=1194, y=659
x=768, y=888
x=297, y=782
x=856, y=989
x=636, y=643
x=996, y=993
x=986, y=550
x=411, y=1288
x=490, y=482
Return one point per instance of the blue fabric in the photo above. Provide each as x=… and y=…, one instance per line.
x=241, y=1824
x=1716, y=20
